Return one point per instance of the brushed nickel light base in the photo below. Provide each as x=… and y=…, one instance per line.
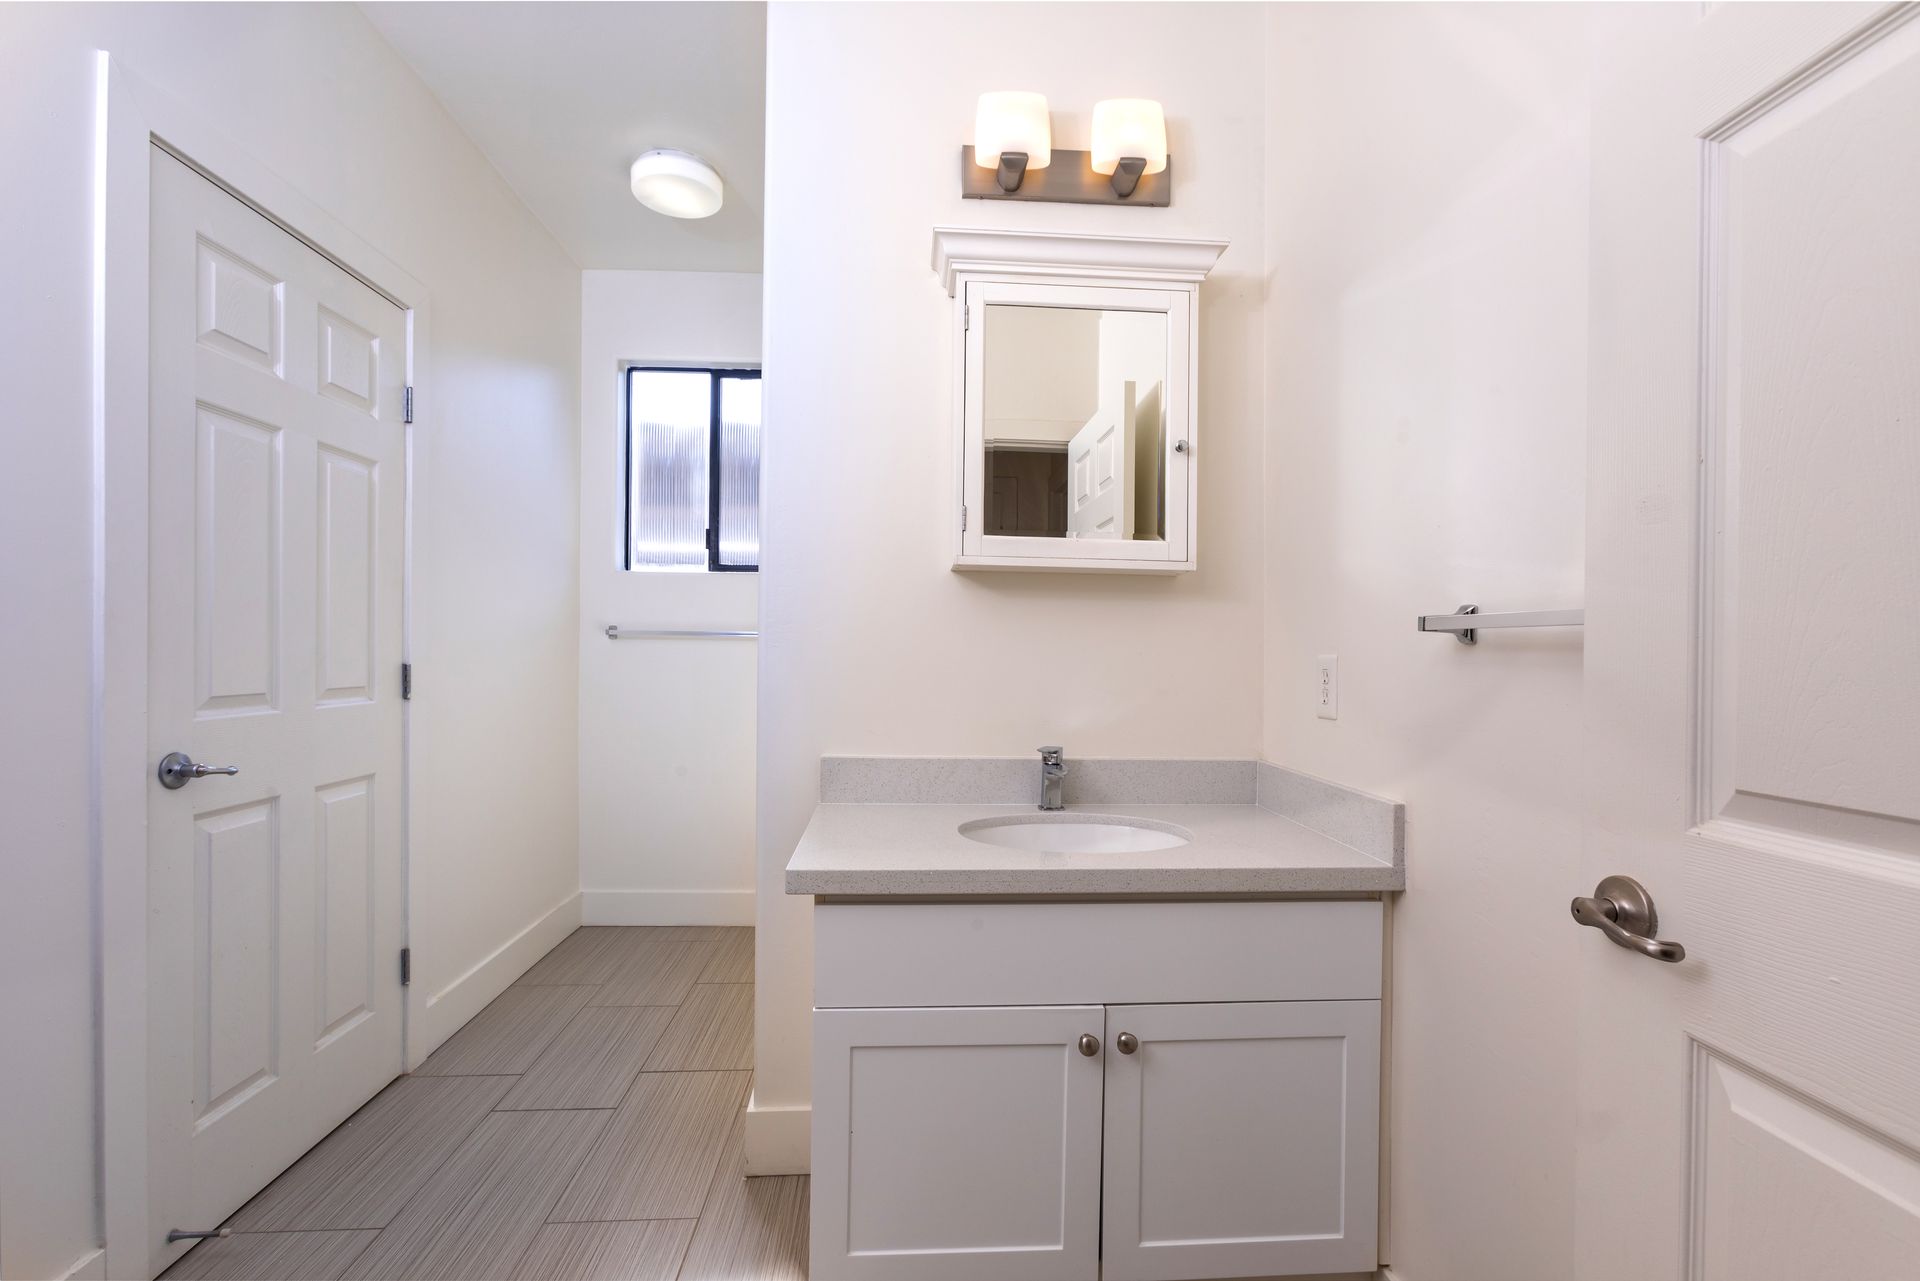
x=1069, y=179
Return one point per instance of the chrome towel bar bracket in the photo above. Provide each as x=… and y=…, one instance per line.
x=1467, y=621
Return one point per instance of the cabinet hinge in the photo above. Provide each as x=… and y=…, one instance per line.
x=406, y=406
x=406, y=966
x=406, y=680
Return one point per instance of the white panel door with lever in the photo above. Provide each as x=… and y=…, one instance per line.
x=275, y=888
x=1752, y=1112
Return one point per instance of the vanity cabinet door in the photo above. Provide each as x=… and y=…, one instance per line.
x=1241, y=1140
x=957, y=1144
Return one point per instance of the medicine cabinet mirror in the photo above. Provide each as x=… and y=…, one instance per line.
x=1075, y=406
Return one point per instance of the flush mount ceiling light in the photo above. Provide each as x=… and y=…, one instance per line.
x=1013, y=156
x=676, y=183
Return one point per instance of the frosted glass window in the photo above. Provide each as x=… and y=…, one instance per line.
x=737, y=505
x=693, y=469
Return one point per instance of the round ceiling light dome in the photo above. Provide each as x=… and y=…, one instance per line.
x=676, y=183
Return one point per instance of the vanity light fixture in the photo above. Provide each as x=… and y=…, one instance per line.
x=1011, y=134
x=1129, y=140
x=1013, y=157
x=676, y=183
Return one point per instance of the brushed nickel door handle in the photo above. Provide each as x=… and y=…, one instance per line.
x=1622, y=910
x=177, y=769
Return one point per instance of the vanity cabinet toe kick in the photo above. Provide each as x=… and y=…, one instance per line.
x=1095, y=1091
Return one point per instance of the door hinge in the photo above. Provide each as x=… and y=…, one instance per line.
x=963, y=518
x=406, y=406
x=966, y=316
x=406, y=680
x=406, y=966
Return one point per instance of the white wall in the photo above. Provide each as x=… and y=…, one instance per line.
x=1426, y=194
x=317, y=96
x=871, y=644
x=666, y=726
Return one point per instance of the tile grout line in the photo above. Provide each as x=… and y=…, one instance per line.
x=285, y=1232
x=586, y=1153
x=582, y=1223
x=596, y=1144
x=398, y=1210
x=428, y=1180
x=363, y=1249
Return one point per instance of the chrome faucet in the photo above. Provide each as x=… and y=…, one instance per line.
x=1053, y=768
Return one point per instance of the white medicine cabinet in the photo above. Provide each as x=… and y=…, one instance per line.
x=1075, y=409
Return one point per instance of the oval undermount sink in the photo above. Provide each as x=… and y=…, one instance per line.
x=1075, y=834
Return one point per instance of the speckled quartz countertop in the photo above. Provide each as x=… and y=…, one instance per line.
x=883, y=850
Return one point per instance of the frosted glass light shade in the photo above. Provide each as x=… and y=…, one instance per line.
x=1125, y=127
x=676, y=184
x=1012, y=121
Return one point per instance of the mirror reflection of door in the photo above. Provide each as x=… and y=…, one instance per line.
x=1075, y=417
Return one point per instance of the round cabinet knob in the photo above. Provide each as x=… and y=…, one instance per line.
x=1089, y=1044
x=1127, y=1042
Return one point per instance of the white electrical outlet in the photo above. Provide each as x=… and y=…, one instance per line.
x=1326, y=691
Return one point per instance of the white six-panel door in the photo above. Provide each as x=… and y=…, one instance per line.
x=1753, y=645
x=277, y=502
x=1101, y=472
x=1241, y=1140
x=964, y=1144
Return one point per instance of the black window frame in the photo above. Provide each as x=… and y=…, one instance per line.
x=715, y=374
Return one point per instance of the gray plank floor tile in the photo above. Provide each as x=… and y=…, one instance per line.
x=480, y=1211
x=659, y=972
x=647, y=1251
x=505, y=1038
x=659, y=1151
x=587, y=956
x=272, y=1256
x=713, y=1029
x=733, y=963
x=593, y=1061
x=631, y=940
x=366, y=1170
x=684, y=933
x=749, y=1228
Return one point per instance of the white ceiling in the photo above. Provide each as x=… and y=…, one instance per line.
x=562, y=97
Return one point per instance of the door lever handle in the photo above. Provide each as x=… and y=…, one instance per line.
x=1622, y=910
x=177, y=769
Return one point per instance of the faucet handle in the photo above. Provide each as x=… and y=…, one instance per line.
x=1051, y=755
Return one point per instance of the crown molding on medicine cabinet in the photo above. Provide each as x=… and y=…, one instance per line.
x=1054, y=255
x=1080, y=453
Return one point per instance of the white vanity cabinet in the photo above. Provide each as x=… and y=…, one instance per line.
x=1185, y=1089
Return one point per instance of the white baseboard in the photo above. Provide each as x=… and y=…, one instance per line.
x=448, y=1010
x=779, y=1140
x=666, y=907
x=91, y=1266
